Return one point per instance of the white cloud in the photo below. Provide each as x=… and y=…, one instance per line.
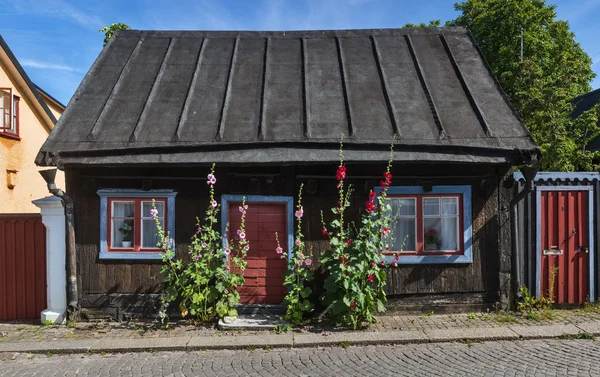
x=58, y=9
x=31, y=63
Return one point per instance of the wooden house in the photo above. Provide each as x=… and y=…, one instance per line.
x=158, y=107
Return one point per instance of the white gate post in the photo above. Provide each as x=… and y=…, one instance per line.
x=53, y=217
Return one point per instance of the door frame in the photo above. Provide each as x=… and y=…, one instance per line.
x=538, y=237
x=287, y=200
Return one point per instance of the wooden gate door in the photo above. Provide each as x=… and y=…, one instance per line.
x=22, y=267
x=264, y=275
x=565, y=267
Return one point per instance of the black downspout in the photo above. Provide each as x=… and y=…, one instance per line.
x=529, y=186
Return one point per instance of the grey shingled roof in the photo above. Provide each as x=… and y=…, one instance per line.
x=198, y=96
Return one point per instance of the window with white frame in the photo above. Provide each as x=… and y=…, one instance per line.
x=430, y=227
x=9, y=110
x=128, y=229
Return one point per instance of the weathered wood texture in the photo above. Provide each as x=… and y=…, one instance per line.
x=105, y=277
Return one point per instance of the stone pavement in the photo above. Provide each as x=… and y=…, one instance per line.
x=426, y=328
x=502, y=358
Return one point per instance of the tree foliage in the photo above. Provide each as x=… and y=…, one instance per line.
x=109, y=31
x=541, y=82
x=432, y=23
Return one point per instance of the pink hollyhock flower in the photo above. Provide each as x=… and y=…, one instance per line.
x=246, y=247
x=153, y=212
x=299, y=263
x=279, y=250
x=195, y=257
x=228, y=268
x=214, y=203
x=199, y=230
x=242, y=235
x=204, y=245
x=308, y=261
x=299, y=213
x=370, y=278
x=171, y=240
x=241, y=209
x=227, y=251
x=300, y=255
x=238, y=232
x=226, y=291
x=298, y=242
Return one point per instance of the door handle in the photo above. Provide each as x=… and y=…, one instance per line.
x=583, y=249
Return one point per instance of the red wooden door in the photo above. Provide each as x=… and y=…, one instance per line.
x=22, y=267
x=264, y=275
x=564, y=246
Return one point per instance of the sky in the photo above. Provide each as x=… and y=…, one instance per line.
x=56, y=41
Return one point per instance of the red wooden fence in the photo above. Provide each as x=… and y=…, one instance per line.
x=22, y=267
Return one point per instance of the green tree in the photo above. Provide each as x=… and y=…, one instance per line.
x=541, y=80
x=432, y=23
x=110, y=30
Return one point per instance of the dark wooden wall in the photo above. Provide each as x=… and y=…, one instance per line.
x=131, y=287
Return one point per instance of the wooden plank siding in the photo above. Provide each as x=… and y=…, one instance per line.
x=22, y=267
x=104, y=281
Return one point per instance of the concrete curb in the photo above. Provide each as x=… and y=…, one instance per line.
x=300, y=340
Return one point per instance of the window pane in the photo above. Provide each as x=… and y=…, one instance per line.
x=122, y=209
x=404, y=235
x=432, y=233
x=450, y=233
x=122, y=233
x=147, y=206
x=449, y=206
x=431, y=206
x=404, y=207
x=149, y=237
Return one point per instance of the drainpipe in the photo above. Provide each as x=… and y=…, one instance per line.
x=72, y=291
x=529, y=173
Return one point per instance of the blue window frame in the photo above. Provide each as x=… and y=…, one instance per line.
x=465, y=254
x=106, y=194
x=288, y=200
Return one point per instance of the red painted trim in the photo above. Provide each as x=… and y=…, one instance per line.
x=137, y=224
x=420, y=229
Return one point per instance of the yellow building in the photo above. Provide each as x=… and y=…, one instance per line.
x=27, y=115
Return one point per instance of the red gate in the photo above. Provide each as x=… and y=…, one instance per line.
x=22, y=267
x=565, y=244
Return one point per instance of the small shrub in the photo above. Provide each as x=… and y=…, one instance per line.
x=472, y=316
x=296, y=302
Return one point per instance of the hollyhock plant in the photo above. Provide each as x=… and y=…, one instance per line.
x=296, y=303
x=354, y=287
x=206, y=285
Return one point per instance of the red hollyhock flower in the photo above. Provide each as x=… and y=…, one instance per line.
x=371, y=278
x=372, y=195
x=386, y=231
x=352, y=305
x=370, y=207
x=340, y=175
x=323, y=232
x=373, y=264
x=382, y=263
x=394, y=264
x=348, y=241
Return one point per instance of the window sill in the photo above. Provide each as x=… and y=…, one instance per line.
x=429, y=259
x=10, y=135
x=132, y=255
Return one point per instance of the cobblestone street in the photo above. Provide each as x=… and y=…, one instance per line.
x=503, y=358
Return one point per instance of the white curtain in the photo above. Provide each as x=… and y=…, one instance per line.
x=121, y=211
x=149, y=229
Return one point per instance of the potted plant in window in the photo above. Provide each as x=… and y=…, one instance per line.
x=432, y=240
x=126, y=230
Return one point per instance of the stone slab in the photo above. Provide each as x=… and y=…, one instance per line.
x=140, y=344
x=590, y=327
x=59, y=346
x=359, y=338
x=475, y=333
x=546, y=331
x=241, y=341
x=253, y=322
